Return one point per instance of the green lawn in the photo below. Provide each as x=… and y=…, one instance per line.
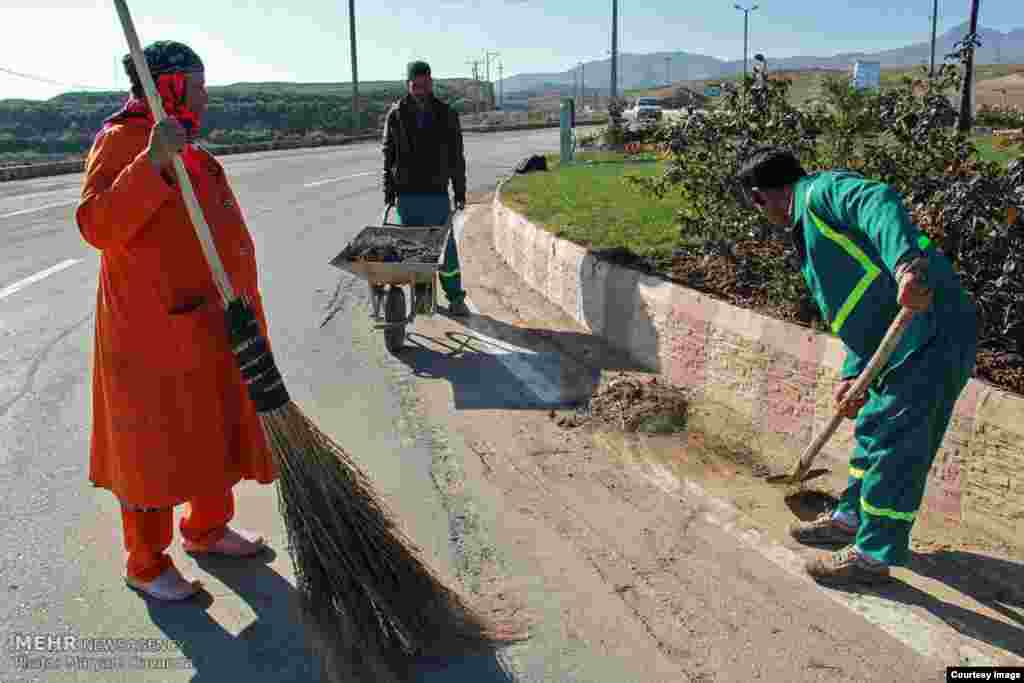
x=592, y=205
x=988, y=151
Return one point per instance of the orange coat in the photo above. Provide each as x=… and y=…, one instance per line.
x=171, y=417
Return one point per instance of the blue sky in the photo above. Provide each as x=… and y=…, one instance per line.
x=248, y=41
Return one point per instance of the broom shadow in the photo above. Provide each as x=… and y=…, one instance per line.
x=272, y=648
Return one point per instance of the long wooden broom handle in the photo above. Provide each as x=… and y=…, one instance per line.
x=877, y=362
x=220, y=278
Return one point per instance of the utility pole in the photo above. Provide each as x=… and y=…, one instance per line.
x=935, y=20
x=668, y=73
x=487, y=57
x=476, y=79
x=355, y=73
x=583, y=85
x=967, y=95
x=746, y=25
x=615, y=47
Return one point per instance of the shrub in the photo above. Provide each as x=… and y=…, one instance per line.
x=906, y=137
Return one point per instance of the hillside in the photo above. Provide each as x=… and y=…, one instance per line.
x=808, y=85
x=649, y=70
x=64, y=126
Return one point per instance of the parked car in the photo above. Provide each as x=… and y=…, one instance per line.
x=645, y=110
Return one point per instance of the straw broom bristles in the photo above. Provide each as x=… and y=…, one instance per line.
x=367, y=597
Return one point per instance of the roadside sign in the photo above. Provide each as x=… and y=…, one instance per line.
x=866, y=75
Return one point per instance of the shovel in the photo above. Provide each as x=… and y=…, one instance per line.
x=892, y=338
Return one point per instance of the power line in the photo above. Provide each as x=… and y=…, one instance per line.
x=49, y=81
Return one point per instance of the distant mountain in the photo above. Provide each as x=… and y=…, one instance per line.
x=649, y=70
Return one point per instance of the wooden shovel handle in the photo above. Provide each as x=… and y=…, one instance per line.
x=889, y=343
x=191, y=203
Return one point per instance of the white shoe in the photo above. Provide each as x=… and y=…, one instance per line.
x=170, y=585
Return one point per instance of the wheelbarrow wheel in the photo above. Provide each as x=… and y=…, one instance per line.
x=394, y=311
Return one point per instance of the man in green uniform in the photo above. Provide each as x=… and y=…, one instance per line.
x=423, y=152
x=863, y=259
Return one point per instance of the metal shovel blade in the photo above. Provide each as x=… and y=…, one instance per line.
x=790, y=479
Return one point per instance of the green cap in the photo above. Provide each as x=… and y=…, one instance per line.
x=417, y=68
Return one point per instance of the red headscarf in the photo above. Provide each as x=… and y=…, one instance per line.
x=172, y=88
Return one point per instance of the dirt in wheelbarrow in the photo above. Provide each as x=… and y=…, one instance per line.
x=388, y=249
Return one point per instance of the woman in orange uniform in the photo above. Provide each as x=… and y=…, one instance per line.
x=172, y=422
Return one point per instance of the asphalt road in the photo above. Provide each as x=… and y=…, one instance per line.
x=60, y=540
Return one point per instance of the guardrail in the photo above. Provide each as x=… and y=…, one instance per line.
x=28, y=171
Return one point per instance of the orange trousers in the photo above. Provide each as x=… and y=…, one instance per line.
x=148, y=534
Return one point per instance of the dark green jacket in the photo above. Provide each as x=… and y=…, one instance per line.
x=423, y=159
x=852, y=234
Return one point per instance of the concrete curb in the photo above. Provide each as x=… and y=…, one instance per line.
x=78, y=166
x=777, y=376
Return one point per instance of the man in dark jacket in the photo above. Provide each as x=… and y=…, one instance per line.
x=423, y=152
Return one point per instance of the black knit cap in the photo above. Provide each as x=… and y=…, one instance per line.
x=165, y=57
x=417, y=68
x=770, y=168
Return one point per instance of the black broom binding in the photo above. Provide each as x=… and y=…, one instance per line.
x=255, y=361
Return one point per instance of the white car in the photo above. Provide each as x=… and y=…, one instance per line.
x=645, y=110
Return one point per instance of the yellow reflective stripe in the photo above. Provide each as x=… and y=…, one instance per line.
x=856, y=473
x=451, y=273
x=923, y=242
x=883, y=512
x=871, y=271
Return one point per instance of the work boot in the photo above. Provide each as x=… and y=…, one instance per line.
x=823, y=531
x=847, y=566
x=459, y=309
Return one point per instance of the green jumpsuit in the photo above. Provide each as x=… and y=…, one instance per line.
x=852, y=233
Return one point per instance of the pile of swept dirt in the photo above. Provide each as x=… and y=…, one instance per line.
x=634, y=403
x=387, y=249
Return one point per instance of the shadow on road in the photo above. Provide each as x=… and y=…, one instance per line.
x=271, y=648
x=274, y=647
x=570, y=363
x=964, y=572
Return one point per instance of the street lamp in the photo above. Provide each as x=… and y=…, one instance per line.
x=746, y=24
x=935, y=19
x=615, y=49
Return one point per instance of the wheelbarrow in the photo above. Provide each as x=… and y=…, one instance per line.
x=388, y=278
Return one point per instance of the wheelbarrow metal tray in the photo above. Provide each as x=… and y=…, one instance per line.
x=396, y=272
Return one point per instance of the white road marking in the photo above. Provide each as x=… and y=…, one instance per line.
x=517, y=361
x=22, y=284
x=515, y=358
x=38, y=208
x=334, y=180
